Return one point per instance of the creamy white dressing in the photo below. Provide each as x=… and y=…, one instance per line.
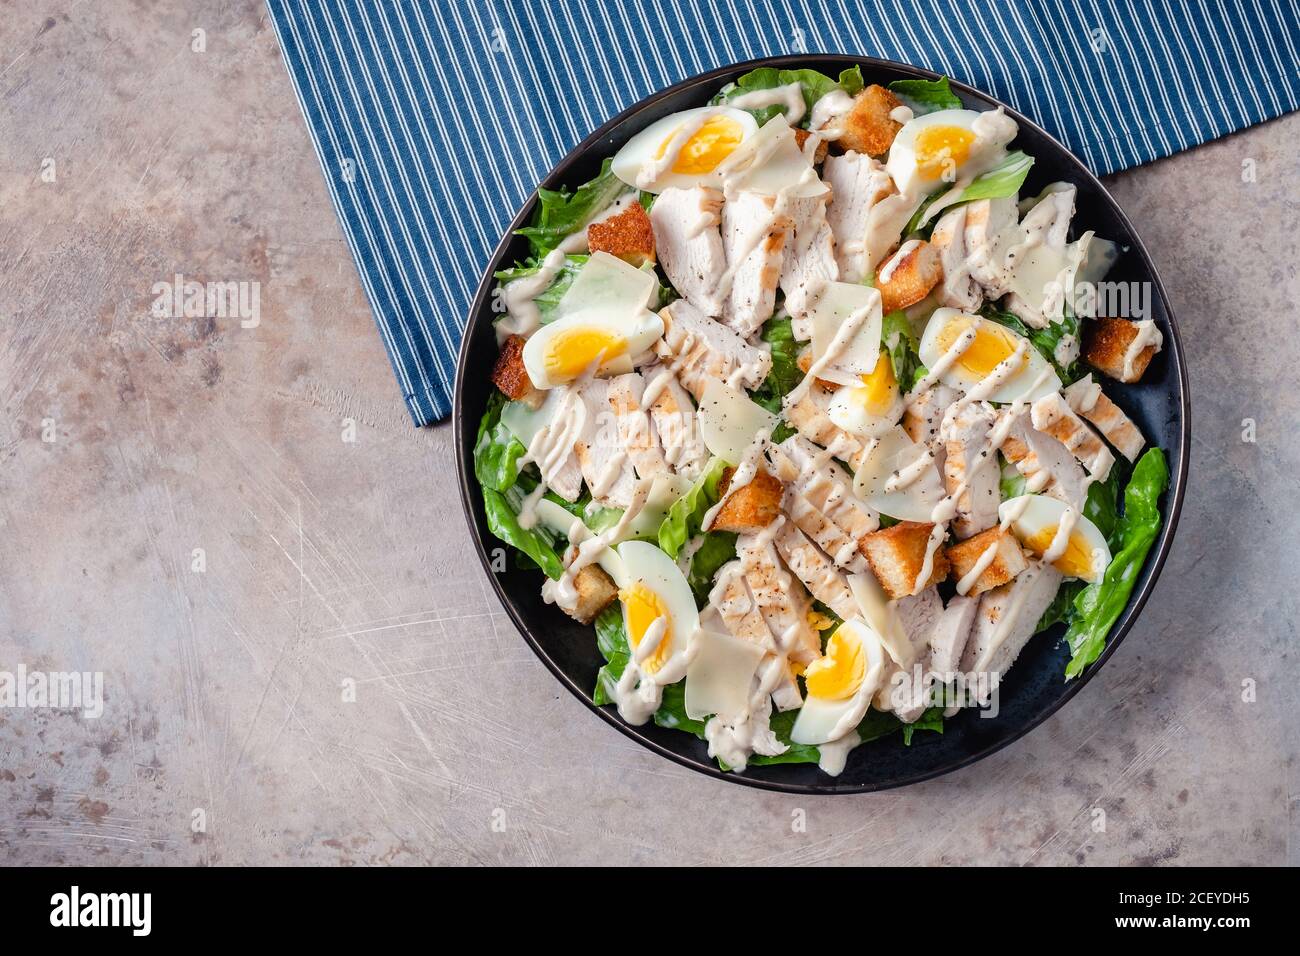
x=901, y=114
x=551, y=447
x=967, y=580
x=789, y=96
x=1061, y=540
x=894, y=261
x=827, y=109
x=937, y=534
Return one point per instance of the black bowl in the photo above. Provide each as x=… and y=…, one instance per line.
x=1035, y=687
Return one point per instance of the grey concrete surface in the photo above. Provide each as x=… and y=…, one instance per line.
x=226, y=738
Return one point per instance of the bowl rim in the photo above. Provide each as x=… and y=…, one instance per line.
x=1173, y=496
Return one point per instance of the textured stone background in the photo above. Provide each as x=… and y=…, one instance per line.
x=328, y=560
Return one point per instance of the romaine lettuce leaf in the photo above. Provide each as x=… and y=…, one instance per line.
x=1004, y=179
x=561, y=213
x=815, y=86
x=1098, y=606
x=716, y=549
x=611, y=640
x=785, y=374
x=926, y=96
x=899, y=340
x=503, y=521
x=496, y=450
x=687, y=512
x=550, y=297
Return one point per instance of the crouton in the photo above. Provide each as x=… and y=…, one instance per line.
x=751, y=508
x=801, y=137
x=596, y=591
x=629, y=236
x=1120, y=348
x=867, y=126
x=908, y=276
x=897, y=556
x=509, y=373
x=1008, y=559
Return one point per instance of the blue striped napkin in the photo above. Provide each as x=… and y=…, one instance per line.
x=434, y=121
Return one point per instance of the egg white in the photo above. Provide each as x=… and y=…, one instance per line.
x=646, y=564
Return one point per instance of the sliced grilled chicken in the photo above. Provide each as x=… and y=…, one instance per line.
x=1086, y=397
x=958, y=290
x=673, y=415
x=970, y=469
x=689, y=243
x=601, y=454
x=700, y=349
x=1045, y=463
x=817, y=572
x=1051, y=415
x=634, y=425
x=743, y=617
x=858, y=183
x=922, y=418
x=808, y=260
x=824, y=485
x=823, y=532
x=781, y=598
x=753, y=241
x=1006, y=620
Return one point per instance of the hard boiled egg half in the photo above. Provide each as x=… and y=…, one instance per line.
x=683, y=149
x=989, y=345
x=1035, y=520
x=654, y=588
x=871, y=407
x=603, y=324
x=941, y=147
x=840, y=684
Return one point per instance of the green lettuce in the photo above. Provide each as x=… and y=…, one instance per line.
x=926, y=96
x=785, y=374
x=1098, y=606
x=611, y=640
x=686, y=515
x=815, y=86
x=1004, y=179
x=549, y=298
x=715, y=550
x=496, y=450
x=561, y=213
x=901, y=344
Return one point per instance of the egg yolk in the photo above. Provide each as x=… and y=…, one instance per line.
x=1077, y=560
x=571, y=351
x=940, y=149
x=707, y=147
x=643, y=607
x=839, y=673
x=992, y=346
x=879, y=389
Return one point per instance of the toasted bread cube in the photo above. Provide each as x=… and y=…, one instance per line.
x=868, y=127
x=629, y=236
x=801, y=137
x=751, y=508
x=1008, y=559
x=509, y=373
x=596, y=591
x=897, y=556
x=1106, y=344
x=909, y=275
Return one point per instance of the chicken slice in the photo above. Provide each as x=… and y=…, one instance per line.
x=1046, y=464
x=673, y=415
x=1053, y=416
x=781, y=598
x=958, y=290
x=743, y=617
x=808, y=416
x=823, y=532
x=970, y=467
x=923, y=416
x=857, y=184
x=1086, y=397
x=699, y=349
x=809, y=258
x=689, y=243
x=634, y=425
x=817, y=572
x=753, y=240
x=825, y=486
x=1004, y=623
x=601, y=456
x=947, y=630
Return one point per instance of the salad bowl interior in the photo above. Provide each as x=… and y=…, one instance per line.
x=1033, y=689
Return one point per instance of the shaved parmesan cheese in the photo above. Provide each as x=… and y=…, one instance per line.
x=729, y=420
